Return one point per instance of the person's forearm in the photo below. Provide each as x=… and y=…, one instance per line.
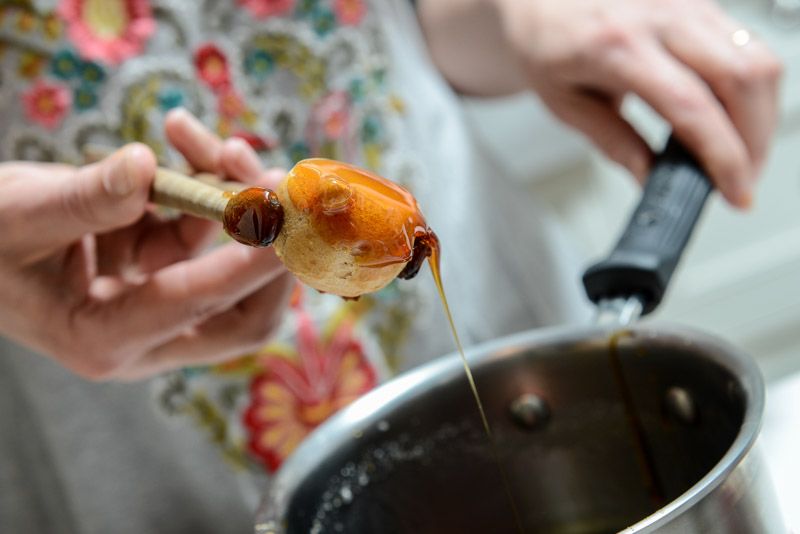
x=467, y=44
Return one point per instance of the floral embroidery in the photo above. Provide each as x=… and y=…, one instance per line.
x=212, y=66
x=324, y=21
x=65, y=65
x=267, y=8
x=291, y=398
x=298, y=151
x=349, y=12
x=230, y=104
x=306, y=8
x=85, y=77
x=108, y=30
x=297, y=88
x=30, y=64
x=26, y=21
x=333, y=113
x=296, y=57
x=259, y=64
x=84, y=98
x=257, y=142
x=46, y=103
x=52, y=27
x=170, y=98
x=92, y=73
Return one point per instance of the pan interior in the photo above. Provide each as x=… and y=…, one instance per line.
x=427, y=466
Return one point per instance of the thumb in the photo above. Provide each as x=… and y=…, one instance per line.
x=106, y=195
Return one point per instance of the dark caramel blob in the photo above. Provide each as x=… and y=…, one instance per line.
x=253, y=216
x=377, y=220
x=425, y=245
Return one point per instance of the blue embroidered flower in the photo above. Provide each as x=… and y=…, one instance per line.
x=306, y=8
x=170, y=98
x=65, y=65
x=357, y=90
x=299, y=150
x=259, y=63
x=371, y=129
x=189, y=372
x=92, y=73
x=84, y=98
x=324, y=21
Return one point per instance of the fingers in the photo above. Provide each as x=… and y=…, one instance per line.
x=697, y=117
x=62, y=207
x=153, y=244
x=744, y=78
x=206, y=152
x=201, y=148
x=170, y=301
x=599, y=119
x=241, y=329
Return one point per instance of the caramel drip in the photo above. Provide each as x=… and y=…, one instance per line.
x=430, y=247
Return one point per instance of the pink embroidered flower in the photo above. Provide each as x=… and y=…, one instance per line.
x=292, y=397
x=332, y=113
x=46, y=103
x=212, y=66
x=108, y=30
x=349, y=12
x=267, y=8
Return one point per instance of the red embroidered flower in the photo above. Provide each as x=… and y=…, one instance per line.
x=46, y=103
x=349, y=12
x=212, y=66
x=267, y=8
x=257, y=142
x=108, y=30
x=291, y=398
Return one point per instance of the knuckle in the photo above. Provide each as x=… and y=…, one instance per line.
x=686, y=99
x=609, y=37
x=760, y=67
x=771, y=67
x=78, y=206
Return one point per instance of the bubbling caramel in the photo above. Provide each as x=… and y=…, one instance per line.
x=375, y=219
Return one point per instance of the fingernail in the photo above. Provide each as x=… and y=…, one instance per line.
x=120, y=180
x=245, y=158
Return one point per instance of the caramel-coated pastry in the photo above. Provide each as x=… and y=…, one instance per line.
x=347, y=231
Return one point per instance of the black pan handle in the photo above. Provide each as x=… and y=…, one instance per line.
x=649, y=250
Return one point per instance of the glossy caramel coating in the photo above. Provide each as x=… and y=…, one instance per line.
x=346, y=231
x=253, y=216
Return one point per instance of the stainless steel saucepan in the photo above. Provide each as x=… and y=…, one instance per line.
x=599, y=430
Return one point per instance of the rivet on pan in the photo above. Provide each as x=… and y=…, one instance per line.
x=529, y=411
x=680, y=405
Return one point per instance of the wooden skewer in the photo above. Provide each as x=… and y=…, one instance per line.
x=172, y=189
x=203, y=195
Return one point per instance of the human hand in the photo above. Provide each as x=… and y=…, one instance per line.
x=680, y=56
x=92, y=277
